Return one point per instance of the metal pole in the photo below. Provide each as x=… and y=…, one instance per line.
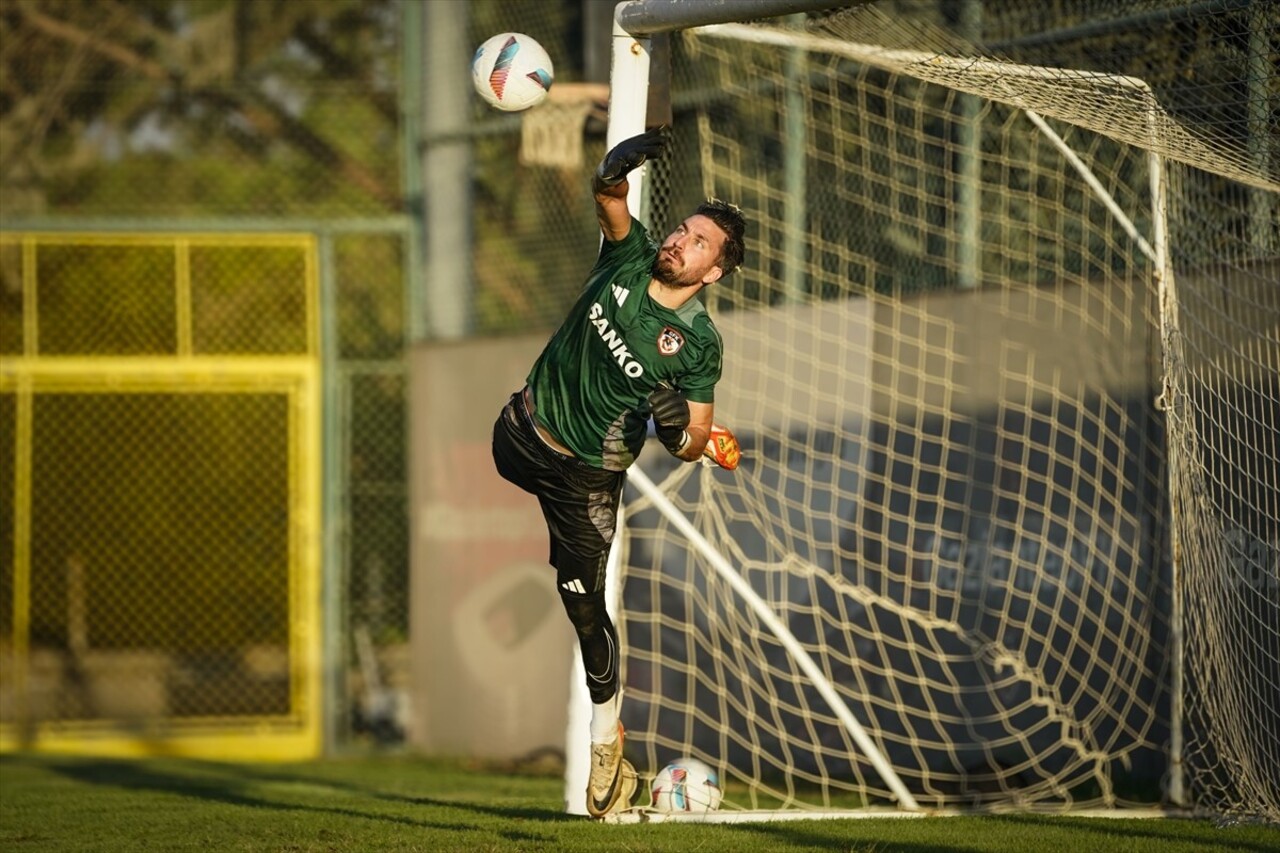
x=411, y=144
x=333, y=587
x=1261, y=82
x=23, y=486
x=795, y=173
x=447, y=170
x=628, y=98
x=969, y=167
x=646, y=17
x=1111, y=26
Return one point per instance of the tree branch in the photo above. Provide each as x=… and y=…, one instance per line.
x=62, y=31
x=340, y=67
x=264, y=114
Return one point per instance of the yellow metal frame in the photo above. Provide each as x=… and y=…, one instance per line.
x=297, y=735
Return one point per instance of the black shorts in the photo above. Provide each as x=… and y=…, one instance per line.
x=579, y=501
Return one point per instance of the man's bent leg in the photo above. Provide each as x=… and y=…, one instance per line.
x=597, y=637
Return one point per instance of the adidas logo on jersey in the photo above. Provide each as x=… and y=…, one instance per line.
x=620, y=295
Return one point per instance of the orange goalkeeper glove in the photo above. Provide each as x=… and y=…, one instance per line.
x=722, y=449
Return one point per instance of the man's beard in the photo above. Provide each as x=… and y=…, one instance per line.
x=667, y=274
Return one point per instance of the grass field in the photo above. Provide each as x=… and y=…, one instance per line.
x=50, y=803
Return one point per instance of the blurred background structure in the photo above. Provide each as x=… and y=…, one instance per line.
x=194, y=197
x=245, y=245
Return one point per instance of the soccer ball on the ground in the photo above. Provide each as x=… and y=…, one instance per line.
x=512, y=72
x=686, y=785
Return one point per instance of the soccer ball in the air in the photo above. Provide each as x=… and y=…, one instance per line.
x=686, y=785
x=512, y=72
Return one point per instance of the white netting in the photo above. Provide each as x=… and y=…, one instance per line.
x=1222, y=396
x=942, y=360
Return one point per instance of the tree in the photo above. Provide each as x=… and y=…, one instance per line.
x=207, y=107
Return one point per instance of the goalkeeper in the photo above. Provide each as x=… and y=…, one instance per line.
x=637, y=344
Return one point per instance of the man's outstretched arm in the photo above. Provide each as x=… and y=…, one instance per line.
x=612, y=212
x=610, y=180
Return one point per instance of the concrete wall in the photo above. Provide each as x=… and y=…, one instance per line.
x=491, y=646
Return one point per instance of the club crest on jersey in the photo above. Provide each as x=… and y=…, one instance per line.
x=669, y=341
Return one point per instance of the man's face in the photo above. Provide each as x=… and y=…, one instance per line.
x=690, y=255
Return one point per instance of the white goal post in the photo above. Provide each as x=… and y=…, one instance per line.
x=988, y=462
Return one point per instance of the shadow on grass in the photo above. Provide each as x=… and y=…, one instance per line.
x=1054, y=833
x=263, y=774
x=1052, y=830
x=233, y=785
x=242, y=786
x=810, y=836
x=1147, y=832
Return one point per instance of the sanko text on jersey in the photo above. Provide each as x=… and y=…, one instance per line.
x=614, y=342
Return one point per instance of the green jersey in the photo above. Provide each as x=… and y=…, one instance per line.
x=591, y=385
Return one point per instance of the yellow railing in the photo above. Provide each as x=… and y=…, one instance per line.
x=160, y=411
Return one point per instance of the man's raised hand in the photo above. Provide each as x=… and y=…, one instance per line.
x=670, y=417
x=629, y=154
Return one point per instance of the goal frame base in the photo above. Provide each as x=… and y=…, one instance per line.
x=644, y=814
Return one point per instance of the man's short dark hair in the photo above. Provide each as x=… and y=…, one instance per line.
x=731, y=221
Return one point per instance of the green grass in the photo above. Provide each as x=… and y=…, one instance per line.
x=59, y=803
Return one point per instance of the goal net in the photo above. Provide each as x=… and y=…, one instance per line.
x=1003, y=363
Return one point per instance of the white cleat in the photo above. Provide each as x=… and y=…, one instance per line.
x=612, y=781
